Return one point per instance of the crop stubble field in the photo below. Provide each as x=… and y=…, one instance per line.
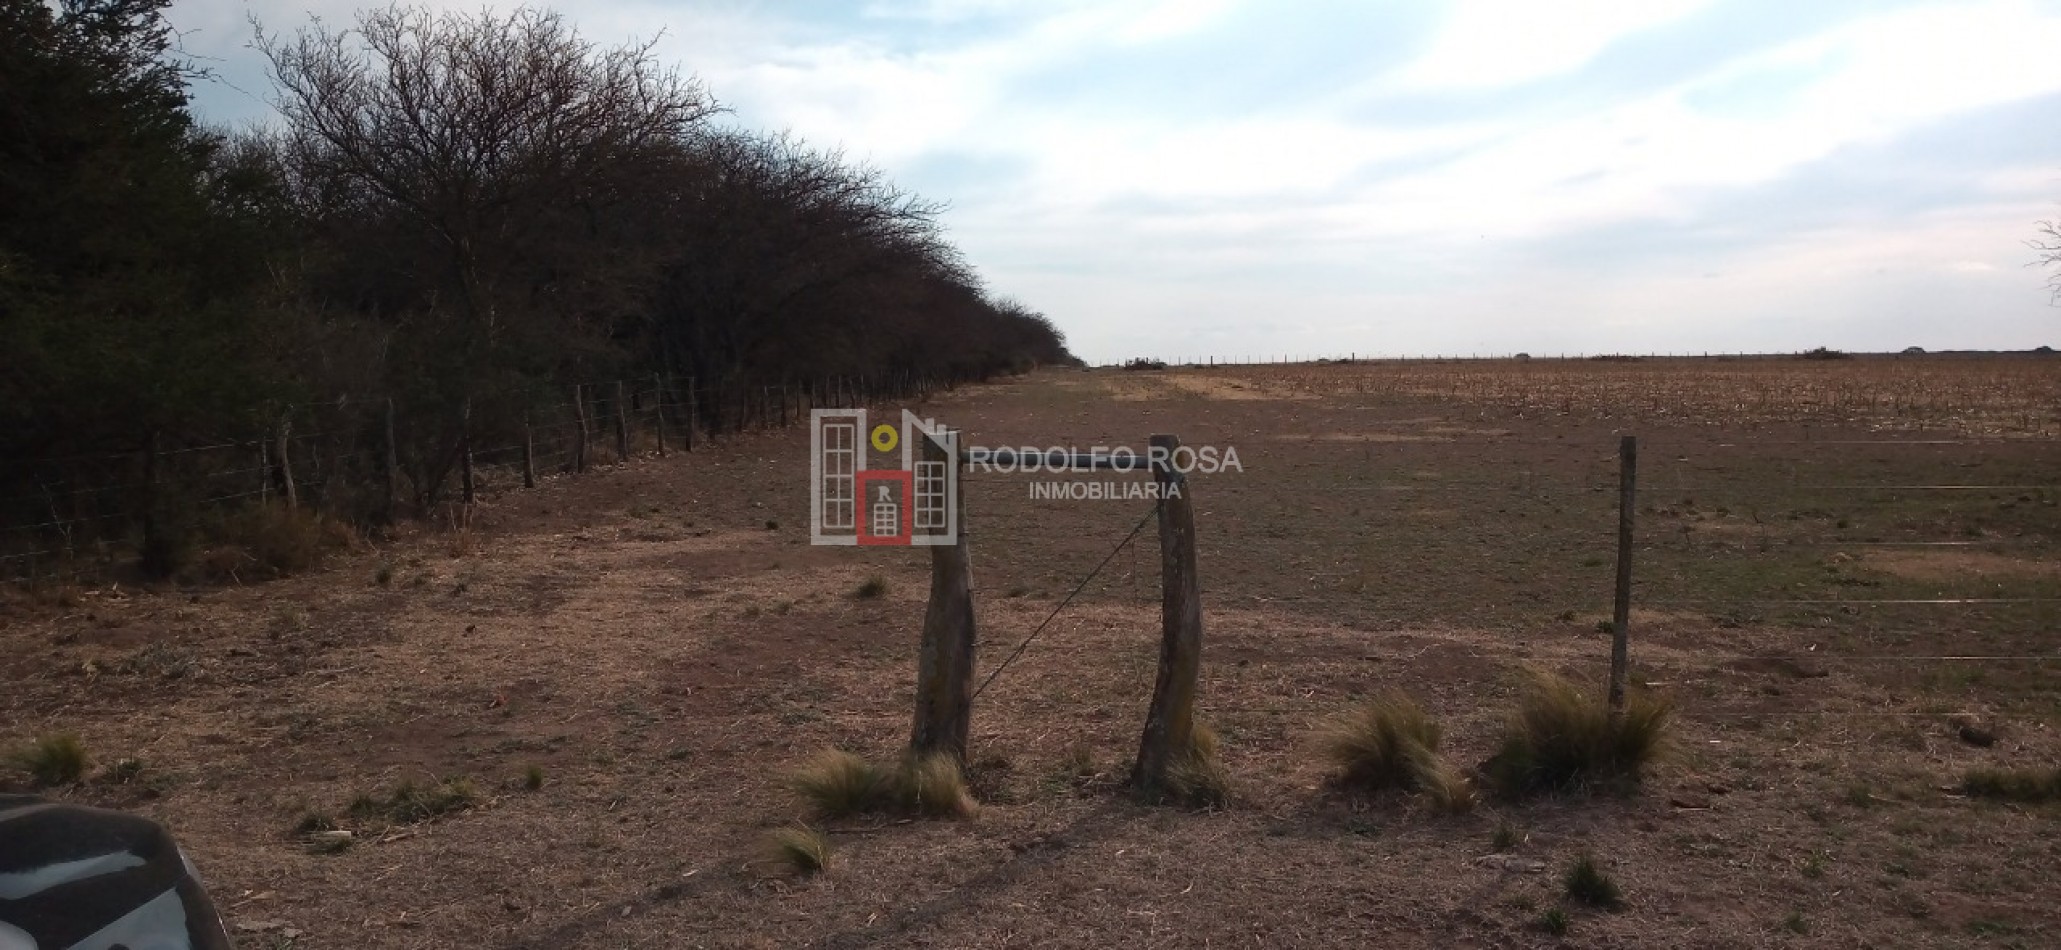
x=660, y=642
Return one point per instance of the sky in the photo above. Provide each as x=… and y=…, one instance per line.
x=1186, y=179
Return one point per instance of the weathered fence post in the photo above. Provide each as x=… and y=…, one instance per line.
x=529, y=453
x=465, y=450
x=944, y=670
x=284, y=467
x=1621, y=610
x=1170, y=725
x=693, y=413
x=392, y=463
x=658, y=410
x=159, y=559
x=579, y=429
x=622, y=425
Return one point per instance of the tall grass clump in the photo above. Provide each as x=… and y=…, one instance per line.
x=1195, y=777
x=1586, y=882
x=1392, y=742
x=1563, y=738
x=55, y=759
x=839, y=784
x=934, y=786
x=799, y=850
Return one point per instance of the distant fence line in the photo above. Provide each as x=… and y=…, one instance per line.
x=1294, y=359
x=82, y=515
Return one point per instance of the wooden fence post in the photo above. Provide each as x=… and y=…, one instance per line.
x=579, y=429
x=284, y=468
x=465, y=450
x=944, y=670
x=1621, y=610
x=693, y=413
x=529, y=453
x=392, y=463
x=622, y=425
x=1170, y=725
x=658, y=410
x=158, y=557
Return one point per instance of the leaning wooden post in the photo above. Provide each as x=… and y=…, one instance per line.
x=1621, y=610
x=465, y=450
x=658, y=410
x=1170, y=725
x=579, y=429
x=622, y=425
x=944, y=664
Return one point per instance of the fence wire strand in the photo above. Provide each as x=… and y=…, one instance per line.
x=1077, y=588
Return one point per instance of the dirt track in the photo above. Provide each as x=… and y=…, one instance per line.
x=662, y=642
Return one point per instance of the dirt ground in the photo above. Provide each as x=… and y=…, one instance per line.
x=1817, y=589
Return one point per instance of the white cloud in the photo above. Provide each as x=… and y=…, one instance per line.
x=1313, y=222
x=1487, y=43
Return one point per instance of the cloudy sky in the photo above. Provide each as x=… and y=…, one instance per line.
x=1202, y=177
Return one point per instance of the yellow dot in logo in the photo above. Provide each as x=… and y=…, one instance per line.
x=884, y=437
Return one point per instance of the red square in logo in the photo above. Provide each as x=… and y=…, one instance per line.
x=886, y=506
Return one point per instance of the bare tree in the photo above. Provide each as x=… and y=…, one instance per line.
x=486, y=179
x=2048, y=244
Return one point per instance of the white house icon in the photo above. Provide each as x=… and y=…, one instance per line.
x=886, y=514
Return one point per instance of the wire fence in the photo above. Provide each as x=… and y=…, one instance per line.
x=1893, y=568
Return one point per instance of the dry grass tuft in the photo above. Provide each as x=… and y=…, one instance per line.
x=1588, y=884
x=933, y=785
x=2028, y=786
x=55, y=759
x=262, y=542
x=838, y=784
x=1371, y=747
x=1195, y=778
x=1392, y=743
x=1562, y=738
x=1442, y=785
x=799, y=850
x=410, y=803
x=873, y=588
x=463, y=541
